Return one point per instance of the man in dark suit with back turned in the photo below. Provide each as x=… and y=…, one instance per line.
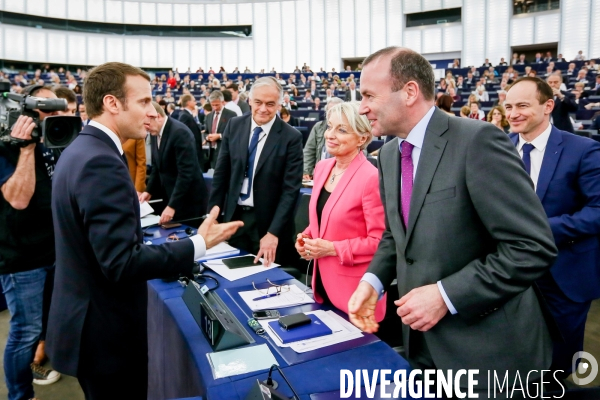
x=175, y=172
x=186, y=117
x=97, y=324
x=564, y=103
x=259, y=174
x=465, y=233
x=565, y=170
x=216, y=122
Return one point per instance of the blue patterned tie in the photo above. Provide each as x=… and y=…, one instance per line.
x=527, y=147
x=251, y=157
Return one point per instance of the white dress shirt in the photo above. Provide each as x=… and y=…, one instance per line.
x=262, y=138
x=162, y=129
x=234, y=107
x=415, y=137
x=537, y=153
x=353, y=96
x=197, y=240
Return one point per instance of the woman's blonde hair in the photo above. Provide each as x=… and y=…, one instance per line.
x=358, y=123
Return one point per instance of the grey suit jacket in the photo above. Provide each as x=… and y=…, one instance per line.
x=477, y=225
x=313, y=148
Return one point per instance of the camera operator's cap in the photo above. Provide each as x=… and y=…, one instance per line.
x=27, y=90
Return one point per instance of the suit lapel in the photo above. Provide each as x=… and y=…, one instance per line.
x=552, y=154
x=339, y=189
x=245, y=142
x=390, y=169
x=431, y=153
x=272, y=142
x=97, y=133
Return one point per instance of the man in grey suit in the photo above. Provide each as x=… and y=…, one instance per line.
x=465, y=236
x=314, y=149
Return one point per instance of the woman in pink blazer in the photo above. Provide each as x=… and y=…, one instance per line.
x=345, y=213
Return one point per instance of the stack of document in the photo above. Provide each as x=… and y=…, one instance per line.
x=343, y=331
x=237, y=273
x=219, y=251
x=258, y=301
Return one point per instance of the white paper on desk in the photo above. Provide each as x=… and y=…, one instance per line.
x=343, y=331
x=149, y=220
x=308, y=183
x=219, y=251
x=241, y=361
x=237, y=273
x=145, y=209
x=294, y=297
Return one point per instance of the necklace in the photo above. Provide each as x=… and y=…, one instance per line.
x=333, y=176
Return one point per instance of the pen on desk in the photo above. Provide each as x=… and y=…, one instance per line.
x=265, y=296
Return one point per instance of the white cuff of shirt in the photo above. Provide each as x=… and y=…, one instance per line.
x=446, y=299
x=199, y=246
x=374, y=281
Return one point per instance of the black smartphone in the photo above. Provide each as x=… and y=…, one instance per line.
x=240, y=262
x=266, y=314
x=294, y=320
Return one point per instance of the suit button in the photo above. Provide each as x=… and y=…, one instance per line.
x=571, y=242
x=409, y=261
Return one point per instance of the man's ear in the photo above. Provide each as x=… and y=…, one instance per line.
x=111, y=104
x=548, y=107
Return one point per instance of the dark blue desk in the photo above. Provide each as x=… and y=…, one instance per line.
x=177, y=349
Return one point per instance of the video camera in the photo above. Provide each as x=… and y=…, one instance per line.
x=55, y=132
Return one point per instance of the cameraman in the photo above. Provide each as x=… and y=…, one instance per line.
x=26, y=249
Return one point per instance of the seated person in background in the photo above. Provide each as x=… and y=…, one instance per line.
x=317, y=105
x=444, y=103
x=286, y=117
x=501, y=98
x=582, y=75
x=452, y=93
x=314, y=149
x=579, y=92
x=442, y=87
x=502, y=62
x=307, y=97
x=476, y=113
x=549, y=70
x=289, y=104
x=532, y=73
x=135, y=151
x=481, y=94
x=465, y=111
x=497, y=117
x=472, y=99
x=579, y=56
x=345, y=213
x=176, y=173
x=328, y=96
x=571, y=70
x=459, y=82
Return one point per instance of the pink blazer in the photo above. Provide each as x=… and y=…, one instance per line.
x=353, y=220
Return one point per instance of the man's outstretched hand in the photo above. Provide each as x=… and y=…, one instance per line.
x=214, y=232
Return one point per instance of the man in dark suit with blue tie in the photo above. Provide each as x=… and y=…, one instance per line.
x=258, y=175
x=565, y=170
x=97, y=323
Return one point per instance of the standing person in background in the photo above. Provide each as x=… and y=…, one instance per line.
x=314, y=149
x=216, y=122
x=258, y=176
x=135, y=151
x=564, y=103
x=187, y=117
x=565, y=170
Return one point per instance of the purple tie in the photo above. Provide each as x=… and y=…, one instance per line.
x=406, y=169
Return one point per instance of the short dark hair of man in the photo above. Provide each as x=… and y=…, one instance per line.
x=544, y=91
x=65, y=93
x=108, y=79
x=185, y=99
x=407, y=65
x=227, y=97
x=234, y=87
x=32, y=90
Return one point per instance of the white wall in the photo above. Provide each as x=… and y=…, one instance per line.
x=289, y=33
